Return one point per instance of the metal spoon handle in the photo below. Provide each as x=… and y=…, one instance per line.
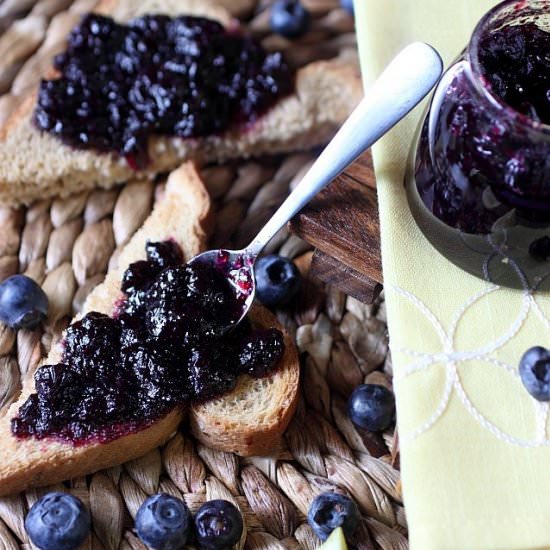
x=402, y=85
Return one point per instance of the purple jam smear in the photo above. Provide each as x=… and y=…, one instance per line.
x=167, y=345
x=186, y=76
x=486, y=161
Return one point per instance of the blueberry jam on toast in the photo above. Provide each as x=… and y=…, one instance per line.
x=165, y=345
x=186, y=76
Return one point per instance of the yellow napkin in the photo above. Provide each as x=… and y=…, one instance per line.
x=475, y=447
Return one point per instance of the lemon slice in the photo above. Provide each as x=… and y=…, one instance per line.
x=336, y=541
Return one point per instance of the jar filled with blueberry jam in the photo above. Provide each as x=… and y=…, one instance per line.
x=478, y=181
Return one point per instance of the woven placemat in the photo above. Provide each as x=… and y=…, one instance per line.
x=67, y=246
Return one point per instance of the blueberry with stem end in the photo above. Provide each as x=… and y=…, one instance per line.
x=277, y=280
x=218, y=525
x=328, y=511
x=58, y=521
x=23, y=304
x=163, y=522
x=371, y=407
x=289, y=18
x=534, y=371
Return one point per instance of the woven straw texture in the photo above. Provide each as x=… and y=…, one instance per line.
x=67, y=247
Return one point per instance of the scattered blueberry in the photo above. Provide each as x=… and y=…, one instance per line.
x=218, y=525
x=329, y=511
x=534, y=370
x=163, y=522
x=371, y=407
x=58, y=521
x=347, y=5
x=540, y=249
x=23, y=304
x=289, y=18
x=277, y=280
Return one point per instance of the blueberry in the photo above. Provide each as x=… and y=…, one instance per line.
x=534, y=370
x=347, y=5
x=289, y=18
x=23, y=304
x=329, y=511
x=371, y=407
x=218, y=524
x=163, y=522
x=277, y=280
x=58, y=521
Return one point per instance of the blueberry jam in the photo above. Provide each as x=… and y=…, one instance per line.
x=515, y=60
x=167, y=344
x=185, y=76
x=488, y=159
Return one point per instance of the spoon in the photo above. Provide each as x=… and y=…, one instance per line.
x=402, y=85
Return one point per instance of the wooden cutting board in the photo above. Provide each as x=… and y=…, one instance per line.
x=342, y=224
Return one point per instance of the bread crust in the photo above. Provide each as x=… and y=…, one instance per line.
x=182, y=214
x=35, y=164
x=32, y=463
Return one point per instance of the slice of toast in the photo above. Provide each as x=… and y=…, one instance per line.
x=182, y=215
x=35, y=164
x=250, y=420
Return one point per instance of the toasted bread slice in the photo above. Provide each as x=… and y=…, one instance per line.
x=35, y=164
x=250, y=420
x=181, y=215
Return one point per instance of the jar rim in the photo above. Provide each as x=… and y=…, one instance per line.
x=480, y=81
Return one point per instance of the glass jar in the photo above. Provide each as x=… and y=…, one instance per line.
x=478, y=180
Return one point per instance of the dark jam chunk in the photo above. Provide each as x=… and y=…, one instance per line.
x=179, y=296
x=167, y=345
x=516, y=61
x=258, y=349
x=164, y=254
x=184, y=76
